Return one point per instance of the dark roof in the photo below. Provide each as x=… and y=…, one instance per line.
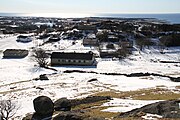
x=22, y=36
x=72, y=55
x=15, y=53
x=87, y=27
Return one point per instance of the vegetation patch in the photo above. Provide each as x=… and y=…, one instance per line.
x=157, y=93
x=94, y=110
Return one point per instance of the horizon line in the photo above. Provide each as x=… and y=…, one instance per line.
x=75, y=15
x=90, y=13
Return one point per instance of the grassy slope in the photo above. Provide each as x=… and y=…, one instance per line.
x=158, y=93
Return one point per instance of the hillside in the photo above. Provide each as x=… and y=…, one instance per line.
x=17, y=77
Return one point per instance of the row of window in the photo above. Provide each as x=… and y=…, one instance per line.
x=77, y=61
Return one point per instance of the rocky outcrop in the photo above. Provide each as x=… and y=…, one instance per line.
x=69, y=116
x=44, y=108
x=43, y=105
x=62, y=104
x=92, y=80
x=167, y=109
x=89, y=99
x=43, y=77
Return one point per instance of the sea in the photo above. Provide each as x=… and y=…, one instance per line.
x=170, y=18
x=173, y=18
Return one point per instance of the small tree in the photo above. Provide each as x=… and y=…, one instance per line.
x=163, y=42
x=170, y=40
x=102, y=36
x=124, y=51
x=144, y=42
x=140, y=43
x=7, y=109
x=40, y=56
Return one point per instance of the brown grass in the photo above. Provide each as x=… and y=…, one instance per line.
x=143, y=94
x=95, y=109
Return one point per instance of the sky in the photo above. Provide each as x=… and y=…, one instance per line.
x=90, y=6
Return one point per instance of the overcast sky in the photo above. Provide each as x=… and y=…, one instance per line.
x=90, y=6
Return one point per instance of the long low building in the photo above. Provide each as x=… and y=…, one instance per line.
x=72, y=58
x=15, y=53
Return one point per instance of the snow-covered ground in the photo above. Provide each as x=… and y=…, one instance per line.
x=16, y=75
x=124, y=105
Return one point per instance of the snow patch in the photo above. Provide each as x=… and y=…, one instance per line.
x=125, y=105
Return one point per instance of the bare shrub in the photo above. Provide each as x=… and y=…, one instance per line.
x=7, y=109
x=40, y=56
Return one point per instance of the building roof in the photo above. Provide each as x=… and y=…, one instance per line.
x=15, y=53
x=72, y=55
x=22, y=36
x=87, y=27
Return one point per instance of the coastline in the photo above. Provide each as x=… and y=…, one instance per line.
x=172, y=18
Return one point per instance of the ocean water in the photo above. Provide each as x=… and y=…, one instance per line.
x=171, y=18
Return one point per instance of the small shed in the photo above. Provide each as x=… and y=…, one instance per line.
x=22, y=38
x=15, y=53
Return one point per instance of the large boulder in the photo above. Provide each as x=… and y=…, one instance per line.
x=43, y=105
x=43, y=77
x=62, y=104
x=167, y=109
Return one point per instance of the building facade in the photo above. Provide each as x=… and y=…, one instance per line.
x=81, y=59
